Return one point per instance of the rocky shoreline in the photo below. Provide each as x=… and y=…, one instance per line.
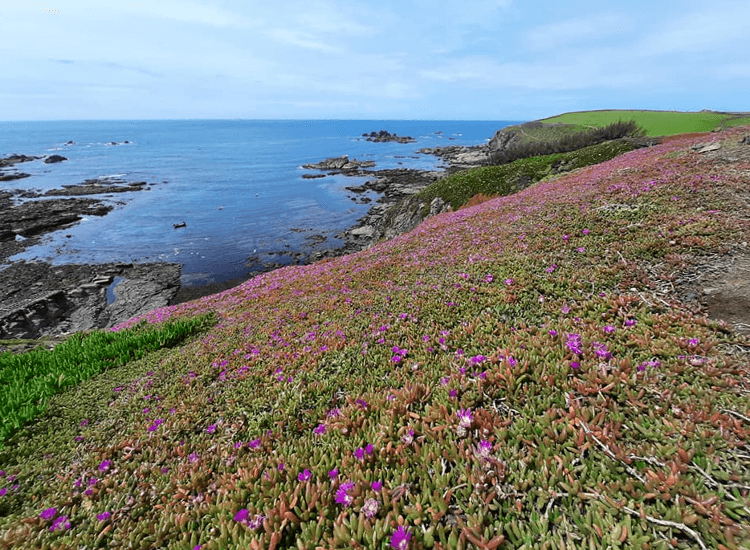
x=40, y=300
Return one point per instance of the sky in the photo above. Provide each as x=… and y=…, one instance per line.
x=369, y=59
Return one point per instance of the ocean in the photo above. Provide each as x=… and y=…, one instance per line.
x=236, y=184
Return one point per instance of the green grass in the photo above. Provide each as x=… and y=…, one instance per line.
x=656, y=123
x=536, y=132
x=28, y=380
x=504, y=179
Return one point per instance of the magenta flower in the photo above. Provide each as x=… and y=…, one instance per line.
x=629, y=322
x=484, y=449
x=574, y=344
x=3, y=492
x=400, y=538
x=376, y=485
x=254, y=444
x=343, y=496
x=369, y=449
x=320, y=430
x=362, y=403
x=574, y=364
x=370, y=507
x=104, y=466
x=104, y=516
x=465, y=418
x=256, y=522
x=609, y=329
x=478, y=359
x=585, y=231
x=304, y=475
x=508, y=282
x=601, y=350
x=408, y=437
x=241, y=516
x=49, y=513
x=61, y=523
x=333, y=474
x=360, y=453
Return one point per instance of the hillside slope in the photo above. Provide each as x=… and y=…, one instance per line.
x=517, y=374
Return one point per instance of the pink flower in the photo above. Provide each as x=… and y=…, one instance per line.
x=484, y=449
x=61, y=523
x=104, y=466
x=320, y=430
x=343, y=496
x=400, y=539
x=465, y=418
x=376, y=485
x=304, y=475
x=370, y=507
x=333, y=474
x=48, y=513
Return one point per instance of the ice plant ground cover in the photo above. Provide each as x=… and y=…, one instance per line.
x=543, y=397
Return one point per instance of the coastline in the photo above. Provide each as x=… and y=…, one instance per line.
x=40, y=300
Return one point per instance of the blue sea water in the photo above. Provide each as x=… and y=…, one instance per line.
x=237, y=185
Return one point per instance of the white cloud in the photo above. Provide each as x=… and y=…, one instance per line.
x=708, y=30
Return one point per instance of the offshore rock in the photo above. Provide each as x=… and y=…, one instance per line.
x=383, y=136
x=341, y=163
x=54, y=158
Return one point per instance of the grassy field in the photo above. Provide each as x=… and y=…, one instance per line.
x=656, y=123
x=509, y=375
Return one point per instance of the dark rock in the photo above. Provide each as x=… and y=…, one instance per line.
x=383, y=136
x=70, y=142
x=16, y=176
x=745, y=140
x=312, y=176
x=37, y=299
x=334, y=163
x=96, y=187
x=54, y=158
x=16, y=159
x=38, y=217
x=340, y=163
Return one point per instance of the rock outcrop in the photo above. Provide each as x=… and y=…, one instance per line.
x=38, y=299
x=383, y=136
x=340, y=164
x=54, y=158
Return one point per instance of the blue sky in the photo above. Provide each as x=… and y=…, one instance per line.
x=369, y=59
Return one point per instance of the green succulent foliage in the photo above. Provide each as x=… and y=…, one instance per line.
x=28, y=380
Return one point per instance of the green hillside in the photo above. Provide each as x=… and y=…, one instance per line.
x=656, y=123
x=524, y=373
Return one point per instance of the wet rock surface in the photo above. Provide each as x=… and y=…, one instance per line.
x=38, y=299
